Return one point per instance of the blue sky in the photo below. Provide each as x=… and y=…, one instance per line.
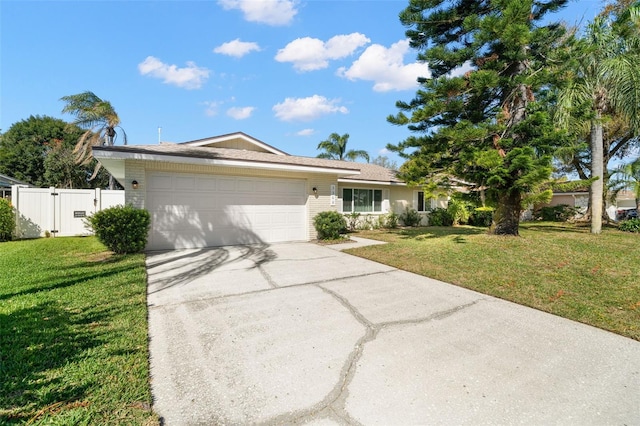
x=286, y=72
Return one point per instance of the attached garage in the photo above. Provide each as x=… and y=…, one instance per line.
x=195, y=210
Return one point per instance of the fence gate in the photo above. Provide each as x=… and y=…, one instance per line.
x=59, y=212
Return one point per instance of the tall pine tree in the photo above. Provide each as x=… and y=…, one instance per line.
x=479, y=116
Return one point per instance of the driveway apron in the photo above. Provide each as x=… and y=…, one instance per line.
x=302, y=334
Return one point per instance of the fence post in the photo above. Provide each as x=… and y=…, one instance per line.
x=52, y=211
x=97, y=201
x=15, y=200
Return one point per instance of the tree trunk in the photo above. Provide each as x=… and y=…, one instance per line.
x=506, y=217
x=597, y=187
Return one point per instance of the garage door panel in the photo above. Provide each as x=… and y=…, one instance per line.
x=190, y=210
x=206, y=184
x=184, y=183
x=226, y=184
x=160, y=182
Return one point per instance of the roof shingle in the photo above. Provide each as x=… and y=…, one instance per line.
x=368, y=172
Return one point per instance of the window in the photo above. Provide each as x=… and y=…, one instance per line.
x=361, y=200
x=423, y=204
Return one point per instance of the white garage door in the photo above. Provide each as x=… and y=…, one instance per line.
x=191, y=210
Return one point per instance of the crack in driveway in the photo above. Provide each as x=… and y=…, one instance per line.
x=335, y=400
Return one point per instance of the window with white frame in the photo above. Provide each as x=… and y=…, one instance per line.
x=361, y=200
x=421, y=203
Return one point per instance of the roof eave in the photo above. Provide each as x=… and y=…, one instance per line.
x=370, y=182
x=109, y=157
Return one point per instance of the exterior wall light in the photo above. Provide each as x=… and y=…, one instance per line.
x=315, y=191
x=134, y=184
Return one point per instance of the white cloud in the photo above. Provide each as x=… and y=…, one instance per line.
x=383, y=151
x=212, y=107
x=270, y=12
x=460, y=71
x=307, y=109
x=306, y=132
x=309, y=54
x=189, y=77
x=240, y=113
x=236, y=48
x=386, y=68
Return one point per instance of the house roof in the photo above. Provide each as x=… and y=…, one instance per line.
x=234, y=140
x=113, y=159
x=375, y=174
x=7, y=181
x=243, y=151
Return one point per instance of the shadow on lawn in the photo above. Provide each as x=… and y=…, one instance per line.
x=556, y=227
x=428, y=232
x=67, y=281
x=34, y=341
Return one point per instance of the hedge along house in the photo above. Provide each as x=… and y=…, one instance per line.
x=234, y=190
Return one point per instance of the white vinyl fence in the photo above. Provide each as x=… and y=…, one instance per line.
x=58, y=212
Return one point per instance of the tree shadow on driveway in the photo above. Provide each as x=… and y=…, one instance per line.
x=178, y=268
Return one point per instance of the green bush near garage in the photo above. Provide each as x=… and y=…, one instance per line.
x=123, y=229
x=329, y=225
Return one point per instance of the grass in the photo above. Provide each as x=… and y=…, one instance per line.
x=557, y=268
x=73, y=334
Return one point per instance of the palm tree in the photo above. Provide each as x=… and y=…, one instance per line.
x=99, y=119
x=335, y=148
x=605, y=80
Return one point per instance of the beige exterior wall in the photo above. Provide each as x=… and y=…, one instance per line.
x=137, y=170
x=399, y=197
x=239, y=144
x=560, y=199
x=322, y=201
x=134, y=170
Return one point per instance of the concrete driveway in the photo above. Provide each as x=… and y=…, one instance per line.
x=305, y=334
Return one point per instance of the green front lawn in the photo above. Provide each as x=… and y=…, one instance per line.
x=557, y=268
x=73, y=334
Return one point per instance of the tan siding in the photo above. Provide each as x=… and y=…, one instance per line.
x=320, y=202
x=136, y=170
x=238, y=144
x=557, y=200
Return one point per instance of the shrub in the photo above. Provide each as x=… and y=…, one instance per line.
x=631, y=225
x=559, y=213
x=459, y=211
x=353, y=220
x=440, y=217
x=7, y=220
x=123, y=229
x=410, y=217
x=329, y=225
x=368, y=223
x=481, y=216
x=389, y=220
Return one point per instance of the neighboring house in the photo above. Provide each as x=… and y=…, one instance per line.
x=580, y=199
x=5, y=185
x=234, y=189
